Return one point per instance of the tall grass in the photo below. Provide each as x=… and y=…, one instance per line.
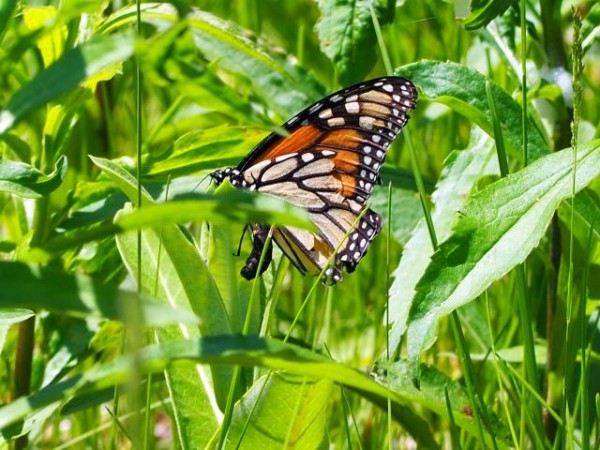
x=472, y=322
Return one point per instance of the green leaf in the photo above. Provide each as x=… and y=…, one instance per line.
x=285, y=87
x=282, y=408
x=196, y=417
x=461, y=171
x=463, y=89
x=587, y=215
x=77, y=295
x=347, y=35
x=399, y=376
x=499, y=227
x=484, y=11
x=174, y=272
x=207, y=149
x=7, y=8
x=74, y=67
x=26, y=181
x=247, y=351
x=237, y=206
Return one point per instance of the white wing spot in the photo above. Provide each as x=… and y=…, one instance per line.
x=396, y=98
x=326, y=113
x=284, y=157
x=356, y=255
x=388, y=88
x=379, y=154
x=367, y=149
x=336, y=98
x=307, y=157
x=327, y=153
x=367, y=160
x=352, y=98
x=376, y=138
x=379, y=83
x=336, y=122
x=363, y=243
x=352, y=107
x=366, y=122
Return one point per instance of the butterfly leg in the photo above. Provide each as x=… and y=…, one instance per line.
x=250, y=269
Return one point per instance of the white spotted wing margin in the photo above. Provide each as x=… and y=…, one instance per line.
x=328, y=164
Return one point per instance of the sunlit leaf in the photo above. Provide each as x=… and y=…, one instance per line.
x=499, y=227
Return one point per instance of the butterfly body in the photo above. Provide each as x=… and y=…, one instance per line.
x=328, y=164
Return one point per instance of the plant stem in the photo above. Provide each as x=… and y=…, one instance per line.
x=23, y=365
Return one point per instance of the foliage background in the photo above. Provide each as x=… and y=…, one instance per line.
x=93, y=101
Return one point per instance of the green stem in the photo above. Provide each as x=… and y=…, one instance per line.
x=23, y=366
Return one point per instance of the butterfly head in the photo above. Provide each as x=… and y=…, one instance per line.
x=218, y=176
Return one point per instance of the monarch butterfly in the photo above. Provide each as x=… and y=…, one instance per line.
x=328, y=164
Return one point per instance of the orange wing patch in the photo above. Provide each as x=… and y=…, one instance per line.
x=348, y=184
x=343, y=138
x=347, y=162
x=298, y=141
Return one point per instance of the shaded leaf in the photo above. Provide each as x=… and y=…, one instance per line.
x=38, y=288
x=347, y=35
x=484, y=11
x=282, y=408
x=26, y=181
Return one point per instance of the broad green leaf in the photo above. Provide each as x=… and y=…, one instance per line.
x=347, y=35
x=282, y=408
x=239, y=207
x=194, y=409
x=207, y=149
x=247, y=351
x=463, y=89
x=484, y=11
x=461, y=171
x=26, y=181
x=86, y=60
x=285, y=87
x=25, y=286
x=174, y=272
x=499, y=227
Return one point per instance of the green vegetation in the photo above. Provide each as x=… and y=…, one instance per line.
x=124, y=321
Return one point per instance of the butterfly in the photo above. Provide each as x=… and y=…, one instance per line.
x=327, y=163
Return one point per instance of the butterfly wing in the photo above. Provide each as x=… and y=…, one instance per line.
x=328, y=164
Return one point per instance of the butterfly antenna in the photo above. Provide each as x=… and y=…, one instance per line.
x=200, y=182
